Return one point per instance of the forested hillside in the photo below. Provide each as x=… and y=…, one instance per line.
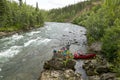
x=103, y=24
x=66, y=14
x=19, y=16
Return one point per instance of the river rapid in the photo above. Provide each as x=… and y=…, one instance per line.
x=22, y=56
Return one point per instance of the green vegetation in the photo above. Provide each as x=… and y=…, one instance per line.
x=67, y=13
x=14, y=16
x=103, y=24
x=100, y=17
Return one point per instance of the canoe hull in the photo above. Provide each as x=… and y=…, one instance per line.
x=84, y=56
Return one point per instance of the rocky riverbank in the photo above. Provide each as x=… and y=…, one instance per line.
x=9, y=33
x=58, y=69
x=96, y=69
x=2, y=34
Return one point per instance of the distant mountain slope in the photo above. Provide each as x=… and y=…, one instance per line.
x=68, y=13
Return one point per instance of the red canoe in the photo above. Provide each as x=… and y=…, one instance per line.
x=84, y=56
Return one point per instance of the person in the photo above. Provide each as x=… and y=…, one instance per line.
x=54, y=53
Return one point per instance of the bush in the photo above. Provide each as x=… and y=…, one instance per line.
x=111, y=44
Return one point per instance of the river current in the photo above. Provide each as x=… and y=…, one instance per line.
x=22, y=56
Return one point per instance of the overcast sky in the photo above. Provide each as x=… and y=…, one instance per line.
x=50, y=4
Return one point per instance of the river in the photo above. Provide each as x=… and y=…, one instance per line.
x=22, y=56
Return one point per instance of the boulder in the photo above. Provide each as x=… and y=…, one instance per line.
x=91, y=72
x=4, y=34
x=95, y=47
x=51, y=75
x=90, y=67
x=102, y=69
x=58, y=64
x=67, y=74
x=95, y=77
x=89, y=64
x=108, y=76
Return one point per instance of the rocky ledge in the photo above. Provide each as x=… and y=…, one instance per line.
x=98, y=68
x=58, y=69
x=2, y=34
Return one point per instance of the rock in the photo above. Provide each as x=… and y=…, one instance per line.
x=69, y=73
x=70, y=32
x=58, y=64
x=54, y=64
x=108, y=76
x=91, y=72
x=59, y=75
x=101, y=60
x=51, y=75
x=89, y=66
x=2, y=34
x=95, y=47
x=55, y=74
x=95, y=77
x=102, y=69
x=57, y=69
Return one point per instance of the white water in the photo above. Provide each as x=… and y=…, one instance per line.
x=24, y=55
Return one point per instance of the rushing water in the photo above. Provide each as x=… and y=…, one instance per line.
x=22, y=56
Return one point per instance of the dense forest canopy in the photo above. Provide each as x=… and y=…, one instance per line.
x=19, y=16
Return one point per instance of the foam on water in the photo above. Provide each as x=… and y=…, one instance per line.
x=33, y=32
x=46, y=40
x=37, y=41
x=14, y=37
x=17, y=37
x=10, y=52
x=29, y=42
x=27, y=52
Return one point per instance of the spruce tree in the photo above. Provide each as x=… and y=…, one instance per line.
x=20, y=2
x=37, y=6
x=2, y=11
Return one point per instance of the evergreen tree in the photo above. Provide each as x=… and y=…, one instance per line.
x=37, y=8
x=2, y=12
x=14, y=16
x=20, y=2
